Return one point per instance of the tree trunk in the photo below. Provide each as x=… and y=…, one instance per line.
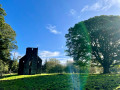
x=106, y=69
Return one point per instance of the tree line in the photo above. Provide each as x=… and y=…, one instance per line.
x=53, y=65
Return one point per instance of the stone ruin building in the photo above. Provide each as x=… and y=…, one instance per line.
x=31, y=63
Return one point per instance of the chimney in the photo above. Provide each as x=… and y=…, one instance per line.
x=35, y=51
x=28, y=51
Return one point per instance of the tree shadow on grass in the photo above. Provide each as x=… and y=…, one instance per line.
x=60, y=82
x=104, y=82
x=44, y=82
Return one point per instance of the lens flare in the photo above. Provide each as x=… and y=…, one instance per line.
x=79, y=79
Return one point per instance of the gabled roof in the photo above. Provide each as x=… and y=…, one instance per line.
x=39, y=58
x=23, y=58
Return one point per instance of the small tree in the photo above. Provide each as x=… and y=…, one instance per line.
x=14, y=67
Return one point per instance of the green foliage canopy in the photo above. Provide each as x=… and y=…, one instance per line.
x=97, y=37
x=7, y=37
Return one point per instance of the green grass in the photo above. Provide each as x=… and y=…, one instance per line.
x=60, y=82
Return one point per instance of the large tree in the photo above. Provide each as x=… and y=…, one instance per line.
x=97, y=38
x=7, y=37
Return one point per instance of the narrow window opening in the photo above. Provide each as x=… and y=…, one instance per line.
x=30, y=63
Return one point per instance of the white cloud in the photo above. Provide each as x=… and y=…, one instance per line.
x=72, y=12
x=49, y=54
x=56, y=54
x=102, y=5
x=96, y=6
x=53, y=29
x=85, y=8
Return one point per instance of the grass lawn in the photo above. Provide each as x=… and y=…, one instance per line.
x=60, y=82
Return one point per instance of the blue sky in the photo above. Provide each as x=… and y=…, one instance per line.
x=44, y=23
